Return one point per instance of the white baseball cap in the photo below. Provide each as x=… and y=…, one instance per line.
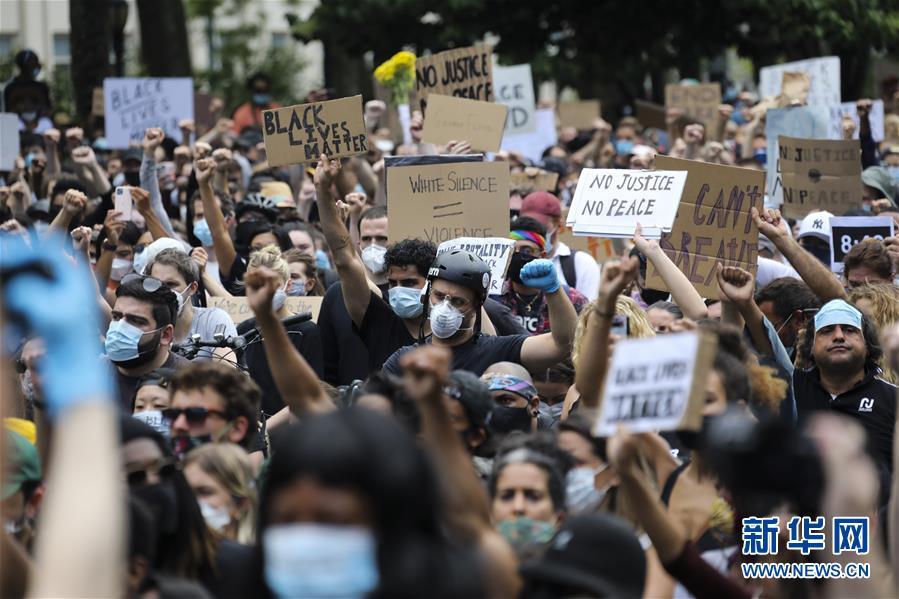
x=817, y=224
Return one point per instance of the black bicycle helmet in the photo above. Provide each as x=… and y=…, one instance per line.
x=463, y=268
x=256, y=202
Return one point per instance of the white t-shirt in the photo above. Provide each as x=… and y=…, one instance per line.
x=205, y=323
x=585, y=267
x=772, y=269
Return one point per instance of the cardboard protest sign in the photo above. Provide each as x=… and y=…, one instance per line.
x=819, y=174
x=809, y=122
x=610, y=202
x=656, y=383
x=602, y=249
x=824, y=75
x=713, y=222
x=302, y=133
x=532, y=145
x=463, y=72
x=239, y=310
x=203, y=117
x=9, y=140
x=533, y=179
x=651, y=114
x=495, y=251
x=438, y=202
x=698, y=101
x=875, y=117
x=131, y=105
x=847, y=231
x=580, y=114
x=514, y=87
x=481, y=124
x=97, y=100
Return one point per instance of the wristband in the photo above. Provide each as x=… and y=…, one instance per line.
x=109, y=247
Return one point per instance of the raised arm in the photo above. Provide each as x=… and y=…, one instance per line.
x=151, y=217
x=74, y=203
x=221, y=241
x=51, y=141
x=594, y=350
x=89, y=172
x=682, y=291
x=543, y=351
x=356, y=294
x=815, y=274
x=296, y=381
x=148, y=180
x=737, y=287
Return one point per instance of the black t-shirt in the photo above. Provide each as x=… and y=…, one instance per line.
x=233, y=280
x=382, y=332
x=235, y=565
x=502, y=318
x=475, y=355
x=872, y=402
x=304, y=336
x=128, y=384
x=345, y=354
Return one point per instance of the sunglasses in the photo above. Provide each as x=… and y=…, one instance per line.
x=195, y=415
x=150, y=284
x=164, y=468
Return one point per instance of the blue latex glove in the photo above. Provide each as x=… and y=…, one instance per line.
x=540, y=274
x=47, y=295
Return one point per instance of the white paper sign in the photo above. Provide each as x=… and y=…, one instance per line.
x=847, y=231
x=611, y=202
x=9, y=140
x=514, y=87
x=824, y=72
x=806, y=122
x=875, y=117
x=532, y=145
x=648, y=384
x=495, y=251
x=134, y=104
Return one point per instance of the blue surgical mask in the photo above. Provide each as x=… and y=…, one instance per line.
x=761, y=156
x=296, y=289
x=406, y=301
x=581, y=494
x=123, y=340
x=894, y=173
x=320, y=560
x=321, y=260
x=279, y=299
x=624, y=147
x=261, y=99
x=202, y=232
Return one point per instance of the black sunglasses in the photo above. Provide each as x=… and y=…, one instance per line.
x=165, y=468
x=195, y=415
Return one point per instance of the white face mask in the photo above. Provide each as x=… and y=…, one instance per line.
x=581, y=494
x=446, y=320
x=120, y=268
x=373, y=258
x=216, y=518
x=183, y=299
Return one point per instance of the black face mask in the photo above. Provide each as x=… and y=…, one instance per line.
x=516, y=264
x=132, y=178
x=651, y=296
x=504, y=419
x=163, y=501
x=695, y=440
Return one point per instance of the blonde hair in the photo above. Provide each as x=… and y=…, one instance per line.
x=230, y=466
x=638, y=324
x=270, y=257
x=884, y=313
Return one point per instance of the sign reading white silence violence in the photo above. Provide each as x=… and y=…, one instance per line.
x=847, y=231
x=495, y=251
x=611, y=202
x=439, y=202
x=656, y=383
x=132, y=105
x=302, y=133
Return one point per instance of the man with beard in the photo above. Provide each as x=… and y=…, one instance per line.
x=141, y=332
x=843, y=350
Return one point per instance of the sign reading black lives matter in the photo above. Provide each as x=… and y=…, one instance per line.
x=611, y=202
x=302, y=133
x=656, y=383
x=463, y=72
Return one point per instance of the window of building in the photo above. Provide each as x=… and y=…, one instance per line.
x=62, y=53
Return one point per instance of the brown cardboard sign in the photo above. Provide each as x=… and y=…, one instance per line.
x=239, y=310
x=533, y=179
x=462, y=72
x=98, y=105
x=819, y=174
x=602, y=249
x=203, y=117
x=656, y=383
x=651, y=114
x=698, y=101
x=438, y=202
x=481, y=124
x=713, y=222
x=302, y=133
x=580, y=114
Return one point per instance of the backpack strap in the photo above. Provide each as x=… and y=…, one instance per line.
x=567, y=263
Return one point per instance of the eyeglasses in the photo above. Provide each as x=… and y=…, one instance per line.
x=194, y=415
x=459, y=303
x=150, y=284
x=164, y=468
